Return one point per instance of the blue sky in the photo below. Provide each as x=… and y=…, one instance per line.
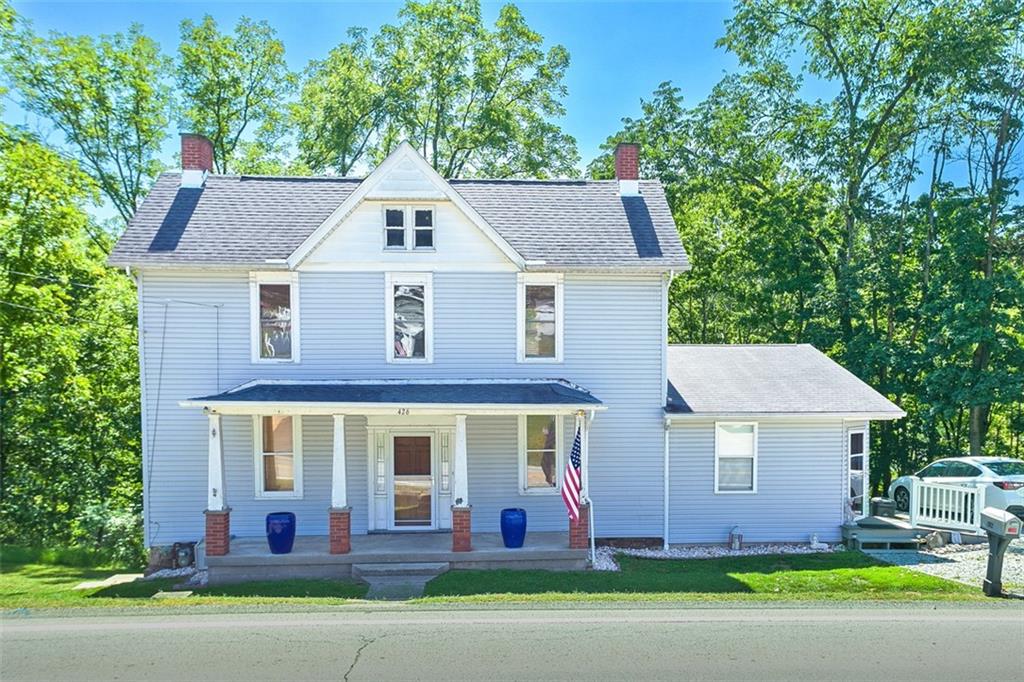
x=620, y=51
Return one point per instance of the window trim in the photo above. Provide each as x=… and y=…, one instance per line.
x=523, y=280
x=718, y=455
x=865, y=455
x=521, y=448
x=408, y=226
x=256, y=279
x=433, y=227
x=391, y=280
x=257, y=427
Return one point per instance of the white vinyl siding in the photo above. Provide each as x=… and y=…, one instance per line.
x=343, y=326
x=801, y=470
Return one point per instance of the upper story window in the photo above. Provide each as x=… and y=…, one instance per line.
x=410, y=314
x=274, y=309
x=408, y=227
x=539, y=318
x=735, y=457
x=278, y=456
x=394, y=228
x=540, y=448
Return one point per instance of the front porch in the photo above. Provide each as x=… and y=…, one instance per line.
x=382, y=466
x=250, y=558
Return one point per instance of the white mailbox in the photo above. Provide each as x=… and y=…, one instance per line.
x=1001, y=523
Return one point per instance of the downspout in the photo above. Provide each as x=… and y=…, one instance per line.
x=668, y=430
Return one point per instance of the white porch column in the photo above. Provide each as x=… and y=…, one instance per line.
x=215, y=467
x=339, y=484
x=460, y=473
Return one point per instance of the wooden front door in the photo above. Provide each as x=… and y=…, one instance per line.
x=413, y=486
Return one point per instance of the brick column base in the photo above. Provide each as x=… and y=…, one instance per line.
x=340, y=530
x=461, y=524
x=579, y=531
x=218, y=532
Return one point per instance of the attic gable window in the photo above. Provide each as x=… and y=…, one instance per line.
x=408, y=227
x=394, y=228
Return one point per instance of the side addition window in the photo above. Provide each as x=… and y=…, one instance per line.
x=539, y=453
x=278, y=456
x=735, y=457
x=539, y=318
x=409, y=303
x=274, y=303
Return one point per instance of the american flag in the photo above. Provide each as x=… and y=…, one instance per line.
x=571, y=485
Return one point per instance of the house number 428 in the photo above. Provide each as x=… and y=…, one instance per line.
x=403, y=411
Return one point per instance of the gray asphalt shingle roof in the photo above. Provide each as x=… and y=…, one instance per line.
x=247, y=220
x=552, y=392
x=766, y=379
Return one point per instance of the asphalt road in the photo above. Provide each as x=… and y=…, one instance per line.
x=735, y=643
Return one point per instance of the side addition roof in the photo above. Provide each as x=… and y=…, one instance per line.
x=738, y=380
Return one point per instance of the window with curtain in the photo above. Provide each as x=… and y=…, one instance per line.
x=735, y=458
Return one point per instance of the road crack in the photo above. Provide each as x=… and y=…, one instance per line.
x=359, y=652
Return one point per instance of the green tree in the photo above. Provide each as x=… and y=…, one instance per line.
x=69, y=419
x=342, y=104
x=233, y=88
x=474, y=101
x=109, y=98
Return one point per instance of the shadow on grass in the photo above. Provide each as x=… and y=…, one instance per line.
x=842, y=573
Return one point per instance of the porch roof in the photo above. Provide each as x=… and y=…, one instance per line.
x=467, y=395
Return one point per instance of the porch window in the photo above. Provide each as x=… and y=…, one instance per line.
x=409, y=303
x=540, y=445
x=735, y=457
x=539, y=318
x=278, y=456
x=274, y=303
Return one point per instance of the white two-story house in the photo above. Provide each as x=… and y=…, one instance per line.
x=403, y=354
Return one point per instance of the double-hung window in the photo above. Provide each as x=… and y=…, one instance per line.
x=408, y=227
x=410, y=317
x=540, y=447
x=735, y=457
x=278, y=456
x=274, y=310
x=539, y=317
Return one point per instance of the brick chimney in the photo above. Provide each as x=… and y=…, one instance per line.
x=627, y=168
x=196, y=159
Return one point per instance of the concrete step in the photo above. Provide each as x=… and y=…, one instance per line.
x=396, y=570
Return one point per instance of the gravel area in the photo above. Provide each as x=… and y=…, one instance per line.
x=186, y=572
x=963, y=563
x=605, y=558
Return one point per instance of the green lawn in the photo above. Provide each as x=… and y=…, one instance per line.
x=842, y=576
x=26, y=581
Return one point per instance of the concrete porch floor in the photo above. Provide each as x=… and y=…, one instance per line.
x=249, y=558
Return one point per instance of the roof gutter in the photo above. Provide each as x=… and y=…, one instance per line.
x=871, y=416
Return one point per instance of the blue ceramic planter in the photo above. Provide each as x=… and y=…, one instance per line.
x=281, y=532
x=513, y=527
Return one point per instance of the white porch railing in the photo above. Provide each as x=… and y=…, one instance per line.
x=946, y=506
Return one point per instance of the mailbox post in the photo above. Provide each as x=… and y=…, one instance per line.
x=1001, y=527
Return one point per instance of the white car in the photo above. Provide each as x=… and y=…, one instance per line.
x=1005, y=478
